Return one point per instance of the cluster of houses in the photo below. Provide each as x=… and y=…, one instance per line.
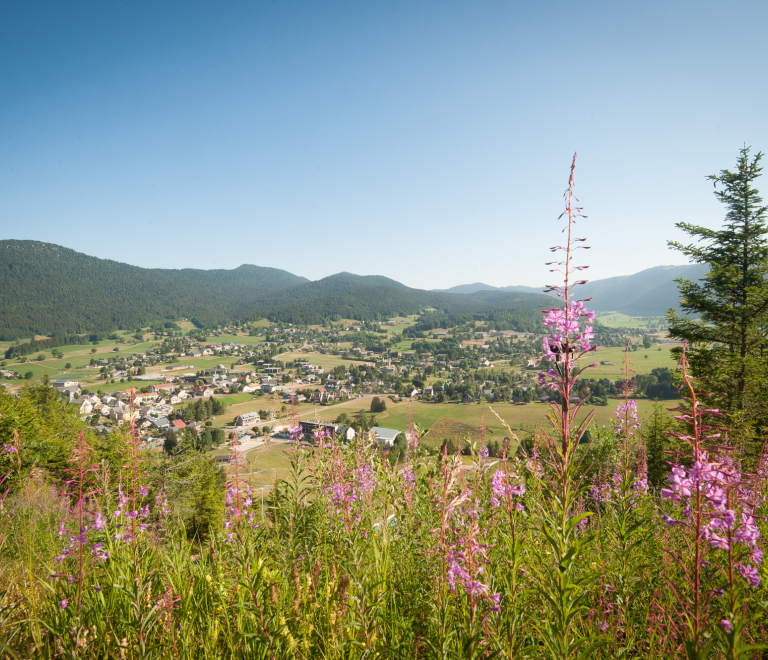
x=385, y=437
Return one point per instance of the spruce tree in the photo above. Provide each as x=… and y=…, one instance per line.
x=725, y=314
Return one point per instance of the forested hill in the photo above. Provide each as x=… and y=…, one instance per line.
x=651, y=292
x=51, y=290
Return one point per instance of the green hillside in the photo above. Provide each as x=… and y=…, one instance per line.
x=55, y=291
x=51, y=290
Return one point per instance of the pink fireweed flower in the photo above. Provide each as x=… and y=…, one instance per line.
x=99, y=523
x=407, y=477
x=625, y=412
x=750, y=574
x=502, y=490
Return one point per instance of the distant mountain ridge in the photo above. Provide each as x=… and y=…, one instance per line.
x=51, y=290
x=651, y=292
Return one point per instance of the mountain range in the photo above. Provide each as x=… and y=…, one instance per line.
x=650, y=292
x=51, y=290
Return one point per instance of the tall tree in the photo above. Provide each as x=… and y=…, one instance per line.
x=726, y=313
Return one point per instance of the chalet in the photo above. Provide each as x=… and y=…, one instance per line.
x=160, y=423
x=162, y=387
x=70, y=392
x=178, y=424
x=140, y=399
x=62, y=382
x=385, y=437
x=247, y=419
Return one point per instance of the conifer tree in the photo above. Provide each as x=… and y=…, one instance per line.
x=726, y=313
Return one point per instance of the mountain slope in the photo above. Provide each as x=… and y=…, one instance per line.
x=650, y=292
x=48, y=289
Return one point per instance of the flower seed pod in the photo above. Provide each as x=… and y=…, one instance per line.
x=315, y=575
x=342, y=594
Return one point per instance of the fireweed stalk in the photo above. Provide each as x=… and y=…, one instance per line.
x=625, y=504
x=561, y=582
x=510, y=521
x=713, y=521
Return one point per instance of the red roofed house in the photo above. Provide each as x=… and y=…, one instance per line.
x=179, y=424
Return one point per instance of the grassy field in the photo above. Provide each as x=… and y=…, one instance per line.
x=324, y=360
x=520, y=417
x=441, y=421
x=244, y=339
x=640, y=363
x=619, y=320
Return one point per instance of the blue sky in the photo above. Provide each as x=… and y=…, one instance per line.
x=426, y=141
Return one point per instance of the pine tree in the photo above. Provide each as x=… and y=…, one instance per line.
x=726, y=313
x=656, y=441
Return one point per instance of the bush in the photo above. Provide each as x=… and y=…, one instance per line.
x=29, y=375
x=68, y=365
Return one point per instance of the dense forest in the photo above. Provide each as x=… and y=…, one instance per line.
x=51, y=290
x=54, y=291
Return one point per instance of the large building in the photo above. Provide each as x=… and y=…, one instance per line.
x=247, y=419
x=386, y=437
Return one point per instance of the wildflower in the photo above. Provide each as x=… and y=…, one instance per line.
x=726, y=625
x=750, y=574
x=63, y=604
x=501, y=489
x=99, y=524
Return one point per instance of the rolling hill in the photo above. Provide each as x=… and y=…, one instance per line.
x=650, y=292
x=50, y=290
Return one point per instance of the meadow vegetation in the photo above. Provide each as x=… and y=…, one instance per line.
x=642, y=538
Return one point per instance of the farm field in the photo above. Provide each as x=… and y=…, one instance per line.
x=619, y=320
x=78, y=356
x=236, y=339
x=324, y=360
x=520, y=417
x=639, y=362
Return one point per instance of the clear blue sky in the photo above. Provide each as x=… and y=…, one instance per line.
x=426, y=141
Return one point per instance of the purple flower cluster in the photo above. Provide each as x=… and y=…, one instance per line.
x=465, y=567
x=725, y=527
x=129, y=516
x=78, y=538
x=238, y=502
x=501, y=489
x=624, y=413
x=295, y=434
x=408, y=477
x=566, y=332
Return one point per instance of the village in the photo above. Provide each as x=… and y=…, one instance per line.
x=294, y=374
